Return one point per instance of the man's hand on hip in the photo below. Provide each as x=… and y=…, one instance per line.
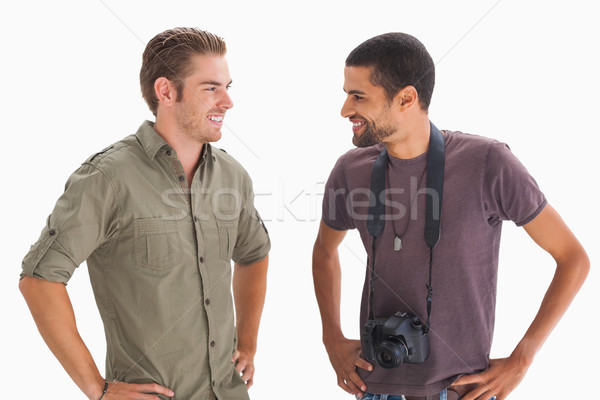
x=344, y=355
x=501, y=378
x=132, y=391
x=244, y=365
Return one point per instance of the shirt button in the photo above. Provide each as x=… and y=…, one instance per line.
x=195, y=219
x=212, y=343
x=181, y=178
x=202, y=259
x=214, y=383
x=169, y=152
x=52, y=232
x=207, y=302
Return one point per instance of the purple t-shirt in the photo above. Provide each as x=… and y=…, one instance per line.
x=484, y=184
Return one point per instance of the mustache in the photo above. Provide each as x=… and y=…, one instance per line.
x=357, y=116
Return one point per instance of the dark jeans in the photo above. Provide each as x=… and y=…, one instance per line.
x=445, y=395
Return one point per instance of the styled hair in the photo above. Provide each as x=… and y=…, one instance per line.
x=169, y=55
x=398, y=60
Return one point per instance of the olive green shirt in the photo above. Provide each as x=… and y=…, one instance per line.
x=159, y=257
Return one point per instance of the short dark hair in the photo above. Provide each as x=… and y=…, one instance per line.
x=168, y=55
x=398, y=60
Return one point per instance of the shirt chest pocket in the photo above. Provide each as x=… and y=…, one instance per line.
x=157, y=243
x=227, y=237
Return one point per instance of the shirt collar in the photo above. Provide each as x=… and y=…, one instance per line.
x=152, y=142
x=150, y=139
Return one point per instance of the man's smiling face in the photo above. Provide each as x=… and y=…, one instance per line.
x=367, y=108
x=201, y=111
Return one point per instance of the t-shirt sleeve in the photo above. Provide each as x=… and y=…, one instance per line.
x=252, y=242
x=84, y=217
x=510, y=192
x=335, y=199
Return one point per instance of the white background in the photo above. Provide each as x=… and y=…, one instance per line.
x=523, y=72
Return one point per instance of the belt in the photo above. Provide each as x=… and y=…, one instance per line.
x=451, y=395
x=433, y=397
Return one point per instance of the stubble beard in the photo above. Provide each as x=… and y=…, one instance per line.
x=372, y=134
x=194, y=126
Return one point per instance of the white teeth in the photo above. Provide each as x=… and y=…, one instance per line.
x=357, y=123
x=215, y=118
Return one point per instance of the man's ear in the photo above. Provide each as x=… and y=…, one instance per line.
x=165, y=91
x=407, y=98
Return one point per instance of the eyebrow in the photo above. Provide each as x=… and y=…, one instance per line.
x=355, y=92
x=215, y=83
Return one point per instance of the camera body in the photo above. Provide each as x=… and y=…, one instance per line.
x=397, y=339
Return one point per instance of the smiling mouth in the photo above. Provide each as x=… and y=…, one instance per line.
x=216, y=119
x=357, y=125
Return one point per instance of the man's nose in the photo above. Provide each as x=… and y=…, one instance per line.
x=347, y=110
x=226, y=101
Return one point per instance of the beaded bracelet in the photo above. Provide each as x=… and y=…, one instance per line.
x=105, y=389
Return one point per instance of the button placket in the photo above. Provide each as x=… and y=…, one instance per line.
x=177, y=169
x=197, y=203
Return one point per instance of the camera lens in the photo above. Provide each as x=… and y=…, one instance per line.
x=390, y=354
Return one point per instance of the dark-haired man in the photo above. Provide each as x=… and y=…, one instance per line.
x=159, y=216
x=448, y=286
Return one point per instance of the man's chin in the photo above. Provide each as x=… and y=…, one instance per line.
x=216, y=137
x=211, y=138
x=364, y=141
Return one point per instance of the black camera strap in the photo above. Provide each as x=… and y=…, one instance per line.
x=433, y=207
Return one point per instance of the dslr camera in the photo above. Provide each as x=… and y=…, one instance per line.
x=397, y=339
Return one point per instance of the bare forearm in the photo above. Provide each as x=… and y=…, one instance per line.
x=53, y=314
x=327, y=278
x=249, y=291
x=551, y=233
x=567, y=281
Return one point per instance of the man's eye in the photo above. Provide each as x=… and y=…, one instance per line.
x=211, y=89
x=228, y=87
x=357, y=97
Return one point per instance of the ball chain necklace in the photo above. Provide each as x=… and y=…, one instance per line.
x=398, y=237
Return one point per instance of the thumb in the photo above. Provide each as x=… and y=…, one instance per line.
x=467, y=380
x=241, y=366
x=235, y=356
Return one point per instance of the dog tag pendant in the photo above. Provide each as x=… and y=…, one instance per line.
x=397, y=244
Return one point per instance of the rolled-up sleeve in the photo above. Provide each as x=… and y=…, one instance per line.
x=252, y=242
x=84, y=218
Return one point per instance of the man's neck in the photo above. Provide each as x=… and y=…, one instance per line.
x=411, y=142
x=188, y=150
